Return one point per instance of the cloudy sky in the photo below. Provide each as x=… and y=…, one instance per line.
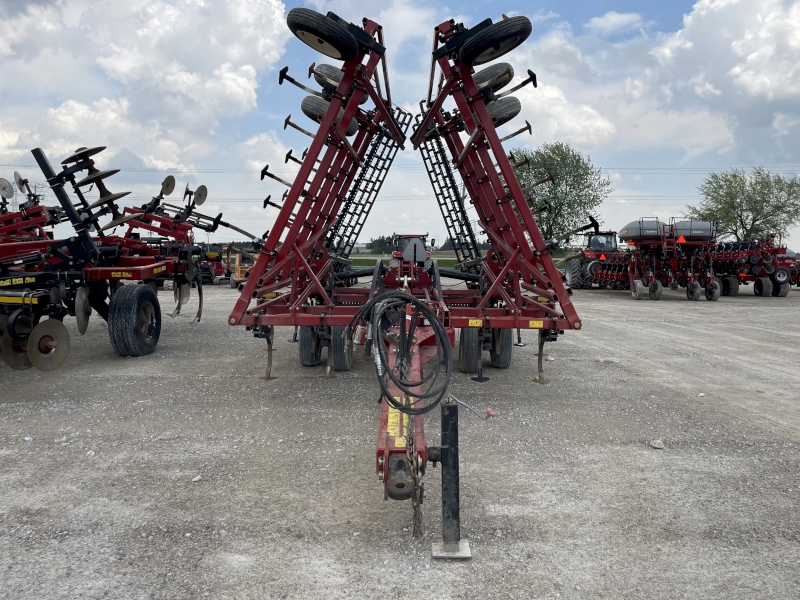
x=658, y=94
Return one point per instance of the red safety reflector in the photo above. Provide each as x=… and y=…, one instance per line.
x=602, y=257
x=681, y=240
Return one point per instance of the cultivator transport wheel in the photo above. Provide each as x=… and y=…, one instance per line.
x=309, y=347
x=15, y=352
x=782, y=290
x=713, y=292
x=233, y=283
x=763, y=286
x=638, y=290
x=502, y=348
x=503, y=110
x=342, y=349
x=495, y=41
x=322, y=33
x=574, y=276
x=655, y=290
x=48, y=345
x=694, y=291
x=468, y=350
x=315, y=108
x=134, y=320
x=495, y=77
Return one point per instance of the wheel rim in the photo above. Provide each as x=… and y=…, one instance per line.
x=147, y=320
x=317, y=43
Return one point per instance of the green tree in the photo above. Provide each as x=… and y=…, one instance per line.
x=576, y=190
x=381, y=245
x=746, y=206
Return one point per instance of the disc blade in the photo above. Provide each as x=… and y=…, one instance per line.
x=19, y=181
x=107, y=199
x=82, y=153
x=14, y=353
x=48, y=345
x=82, y=310
x=168, y=185
x=6, y=189
x=200, y=195
x=97, y=176
x=121, y=220
x=181, y=292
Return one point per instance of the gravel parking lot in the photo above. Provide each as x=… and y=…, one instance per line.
x=184, y=475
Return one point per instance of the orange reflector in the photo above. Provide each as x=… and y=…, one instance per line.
x=602, y=257
x=681, y=240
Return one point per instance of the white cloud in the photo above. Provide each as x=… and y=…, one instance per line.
x=614, y=22
x=157, y=75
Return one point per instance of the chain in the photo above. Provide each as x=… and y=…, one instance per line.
x=412, y=462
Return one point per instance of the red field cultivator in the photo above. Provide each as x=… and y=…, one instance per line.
x=675, y=254
x=55, y=278
x=402, y=313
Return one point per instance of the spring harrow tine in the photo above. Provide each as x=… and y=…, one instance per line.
x=288, y=123
x=519, y=131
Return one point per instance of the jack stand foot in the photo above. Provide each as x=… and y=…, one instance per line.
x=457, y=550
x=541, y=379
x=519, y=342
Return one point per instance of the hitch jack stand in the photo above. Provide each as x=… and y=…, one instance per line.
x=519, y=343
x=451, y=545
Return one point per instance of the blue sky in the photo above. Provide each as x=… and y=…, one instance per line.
x=657, y=94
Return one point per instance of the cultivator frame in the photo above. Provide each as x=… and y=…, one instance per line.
x=303, y=278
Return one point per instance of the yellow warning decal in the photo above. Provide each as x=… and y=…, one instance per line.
x=159, y=269
x=121, y=275
x=476, y=322
x=542, y=299
x=396, y=427
x=18, y=300
x=536, y=324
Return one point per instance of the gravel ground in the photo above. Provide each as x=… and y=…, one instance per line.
x=183, y=475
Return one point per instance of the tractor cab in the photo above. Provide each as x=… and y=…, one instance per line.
x=411, y=248
x=595, y=244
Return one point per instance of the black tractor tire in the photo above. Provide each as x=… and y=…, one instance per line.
x=494, y=77
x=694, y=291
x=495, y=41
x=322, y=33
x=782, y=290
x=342, y=349
x=713, y=291
x=134, y=320
x=574, y=275
x=503, y=110
x=233, y=283
x=638, y=290
x=733, y=286
x=468, y=349
x=655, y=290
x=315, y=108
x=763, y=287
x=309, y=347
x=328, y=76
x=503, y=341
